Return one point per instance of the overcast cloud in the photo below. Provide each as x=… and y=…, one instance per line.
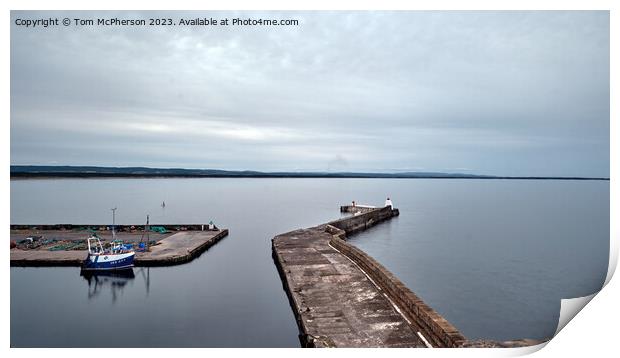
x=507, y=93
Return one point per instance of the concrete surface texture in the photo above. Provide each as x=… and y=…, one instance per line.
x=335, y=302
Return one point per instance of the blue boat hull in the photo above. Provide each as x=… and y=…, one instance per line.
x=108, y=262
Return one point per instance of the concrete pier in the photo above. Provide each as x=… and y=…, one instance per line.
x=179, y=248
x=354, y=209
x=170, y=248
x=342, y=298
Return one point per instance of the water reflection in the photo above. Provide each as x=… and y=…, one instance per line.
x=114, y=281
x=145, y=273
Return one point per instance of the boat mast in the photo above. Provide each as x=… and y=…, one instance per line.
x=113, y=223
x=148, y=237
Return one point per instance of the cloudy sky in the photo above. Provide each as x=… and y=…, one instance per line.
x=506, y=93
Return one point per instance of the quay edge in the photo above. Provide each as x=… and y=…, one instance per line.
x=341, y=297
x=178, y=248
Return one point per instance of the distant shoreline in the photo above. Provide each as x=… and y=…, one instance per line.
x=55, y=175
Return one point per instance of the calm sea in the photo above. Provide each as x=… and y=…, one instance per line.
x=492, y=256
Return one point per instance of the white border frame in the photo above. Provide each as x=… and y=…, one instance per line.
x=593, y=330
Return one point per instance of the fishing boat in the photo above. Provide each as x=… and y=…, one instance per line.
x=116, y=257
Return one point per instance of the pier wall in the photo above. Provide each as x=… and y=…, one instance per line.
x=365, y=220
x=295, y=268
x=431, y=324
x=356, y=208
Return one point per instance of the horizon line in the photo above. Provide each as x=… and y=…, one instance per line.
x=259, y=173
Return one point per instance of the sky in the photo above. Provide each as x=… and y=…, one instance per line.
x=497, y=93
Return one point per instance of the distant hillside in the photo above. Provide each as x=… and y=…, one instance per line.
x=30, y=171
